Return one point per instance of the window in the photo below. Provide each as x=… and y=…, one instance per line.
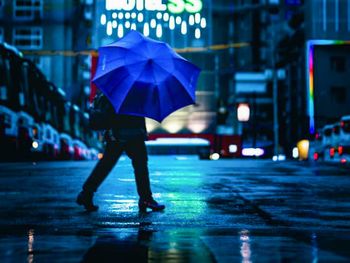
x=338, y=94
x=338, y=64
x=28, y=37
x=27, y=9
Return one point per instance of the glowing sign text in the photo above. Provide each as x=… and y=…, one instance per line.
x=173, y=6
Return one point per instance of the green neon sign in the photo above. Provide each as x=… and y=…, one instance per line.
x=180, y=6
x=172, y=6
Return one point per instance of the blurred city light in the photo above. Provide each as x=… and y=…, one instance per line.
x=295, y=153
x=233, y=148
x=184, y=28
x=257, y=152
x=179, y=141
x=303, y=149
x=203, y=22
x=35, y=144
x=197, y=126
x=159, y=32
x=243, y=112
x=197, y=33
x=173, y=127
x=215, y=156
x=146, y=29
x=103, y=19
x=280, y=157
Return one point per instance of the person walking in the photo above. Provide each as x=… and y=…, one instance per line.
x=128, y=134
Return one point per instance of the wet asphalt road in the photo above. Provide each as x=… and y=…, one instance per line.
x=217, y=211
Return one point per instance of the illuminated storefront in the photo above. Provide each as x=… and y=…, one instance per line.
x=181, y=23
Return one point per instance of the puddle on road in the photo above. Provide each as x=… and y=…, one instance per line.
x=145, y=244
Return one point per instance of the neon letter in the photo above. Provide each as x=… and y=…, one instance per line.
x=129, y=5
x=139, y=5
x=193, y=6
x=176, y=6
x=153, y=5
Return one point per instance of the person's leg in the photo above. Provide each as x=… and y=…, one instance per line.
x=98, y=175
x=111, y=155
x=137, y=152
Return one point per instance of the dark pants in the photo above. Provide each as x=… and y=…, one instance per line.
x=137, y=152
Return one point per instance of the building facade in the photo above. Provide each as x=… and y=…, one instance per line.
x=327, y=51
x=46, y=31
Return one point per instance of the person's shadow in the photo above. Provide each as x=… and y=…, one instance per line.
x=111, y=248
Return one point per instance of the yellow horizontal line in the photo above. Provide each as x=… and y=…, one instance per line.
x=70, y=53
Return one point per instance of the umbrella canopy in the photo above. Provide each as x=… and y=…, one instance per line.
x=145, y=77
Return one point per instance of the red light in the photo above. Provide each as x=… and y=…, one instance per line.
x=343, y=160
x=316, y=156
x=340, y=150
x=342, y=124
x=317, y=135
x=331, y=152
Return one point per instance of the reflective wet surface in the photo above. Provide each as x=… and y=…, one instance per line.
x=216, y=211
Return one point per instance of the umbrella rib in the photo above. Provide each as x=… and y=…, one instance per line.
x=113, y=69
x=185, y=86
x=121, y=58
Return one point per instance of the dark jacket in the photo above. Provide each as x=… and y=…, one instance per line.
x=127, y=127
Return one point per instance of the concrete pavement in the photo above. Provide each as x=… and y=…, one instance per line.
x=217, y=211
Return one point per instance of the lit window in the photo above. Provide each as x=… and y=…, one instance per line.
x=27, y=9
x=28, y=37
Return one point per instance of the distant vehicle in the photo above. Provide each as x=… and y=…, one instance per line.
x=8, y=133
x=25, y=124
x=34, y=112
x=344, y=146
x=329, y=150
x=316, y=149
x=327, y=135
x=67, y=149
x=37, y=149
x=93, y=154
x=335, y=142
x=345, y=129
x=80, y=150
x=51, y=141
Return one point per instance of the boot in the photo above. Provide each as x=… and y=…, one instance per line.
x=85, y=198
x=151, y=203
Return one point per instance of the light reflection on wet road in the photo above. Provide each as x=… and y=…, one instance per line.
x=223, y=211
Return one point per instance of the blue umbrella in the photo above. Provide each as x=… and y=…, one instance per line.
x=145, y=77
